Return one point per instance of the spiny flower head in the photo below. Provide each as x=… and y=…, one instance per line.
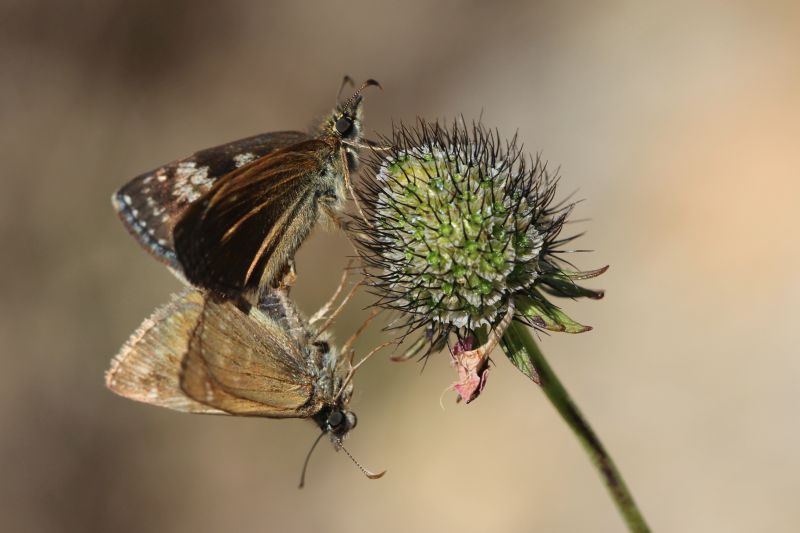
x=459, y=224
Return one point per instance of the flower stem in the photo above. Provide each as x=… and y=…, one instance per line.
x=523, y=351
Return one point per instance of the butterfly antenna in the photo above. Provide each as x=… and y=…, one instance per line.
x=308, y=458
x=368, y=83
x=347, y=80
x=370, y=475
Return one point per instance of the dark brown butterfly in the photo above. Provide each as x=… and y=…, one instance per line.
x=230, y=218
x=200, y=355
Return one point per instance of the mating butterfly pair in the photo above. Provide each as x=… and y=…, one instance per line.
x=228, y=220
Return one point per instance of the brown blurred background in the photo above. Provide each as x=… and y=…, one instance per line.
x=679, y=124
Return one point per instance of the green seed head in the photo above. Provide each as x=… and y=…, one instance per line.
x=477, y=228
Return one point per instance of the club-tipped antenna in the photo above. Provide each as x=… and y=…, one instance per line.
x=369, y=474
x=347, y=80
x=369, y=83
x=308, y=458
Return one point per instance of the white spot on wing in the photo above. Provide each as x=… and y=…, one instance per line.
x=156, y=209
x=242, y=159
x=190, y=182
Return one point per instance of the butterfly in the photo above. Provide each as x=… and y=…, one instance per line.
x=230, y=218
x=200, y=354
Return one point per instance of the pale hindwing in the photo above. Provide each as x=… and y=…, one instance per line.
x=248, y=365
x=147, y=368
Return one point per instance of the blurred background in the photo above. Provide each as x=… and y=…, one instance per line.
x=679, y=125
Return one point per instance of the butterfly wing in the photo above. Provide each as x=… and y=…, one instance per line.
x=150, y=204
x=248, y=365
x=202, y=356
x=244, y=230
x=148, y=367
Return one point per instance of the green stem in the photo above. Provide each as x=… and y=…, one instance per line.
x=523, y=351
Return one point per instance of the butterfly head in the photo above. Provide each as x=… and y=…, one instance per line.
x=334, y=418
x=336, y=421
x=344, y=123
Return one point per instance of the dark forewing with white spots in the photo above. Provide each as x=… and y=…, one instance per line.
x=151, y=203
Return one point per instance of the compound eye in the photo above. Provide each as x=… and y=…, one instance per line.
x=335, y=419
x=344, y=125
x=351, y=419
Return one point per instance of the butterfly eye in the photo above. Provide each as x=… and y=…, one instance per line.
x=335, y=419
x=351, y=419
x=344, y=125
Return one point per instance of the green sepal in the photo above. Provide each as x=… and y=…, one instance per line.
x=422, y=345
x=545, y=315
x=566, y=288
x=586, y=274
x=517, y=352
x=415, y=349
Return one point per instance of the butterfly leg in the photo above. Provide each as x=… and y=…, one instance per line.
x=372, y=145
x=337, y=311
x=353, y=367
x=334, y=220
x=349, y=185
x=346, y=226
x=288, y=277
x=326, y=308
x=349, y=344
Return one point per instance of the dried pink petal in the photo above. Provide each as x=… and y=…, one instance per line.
x=473, y=370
